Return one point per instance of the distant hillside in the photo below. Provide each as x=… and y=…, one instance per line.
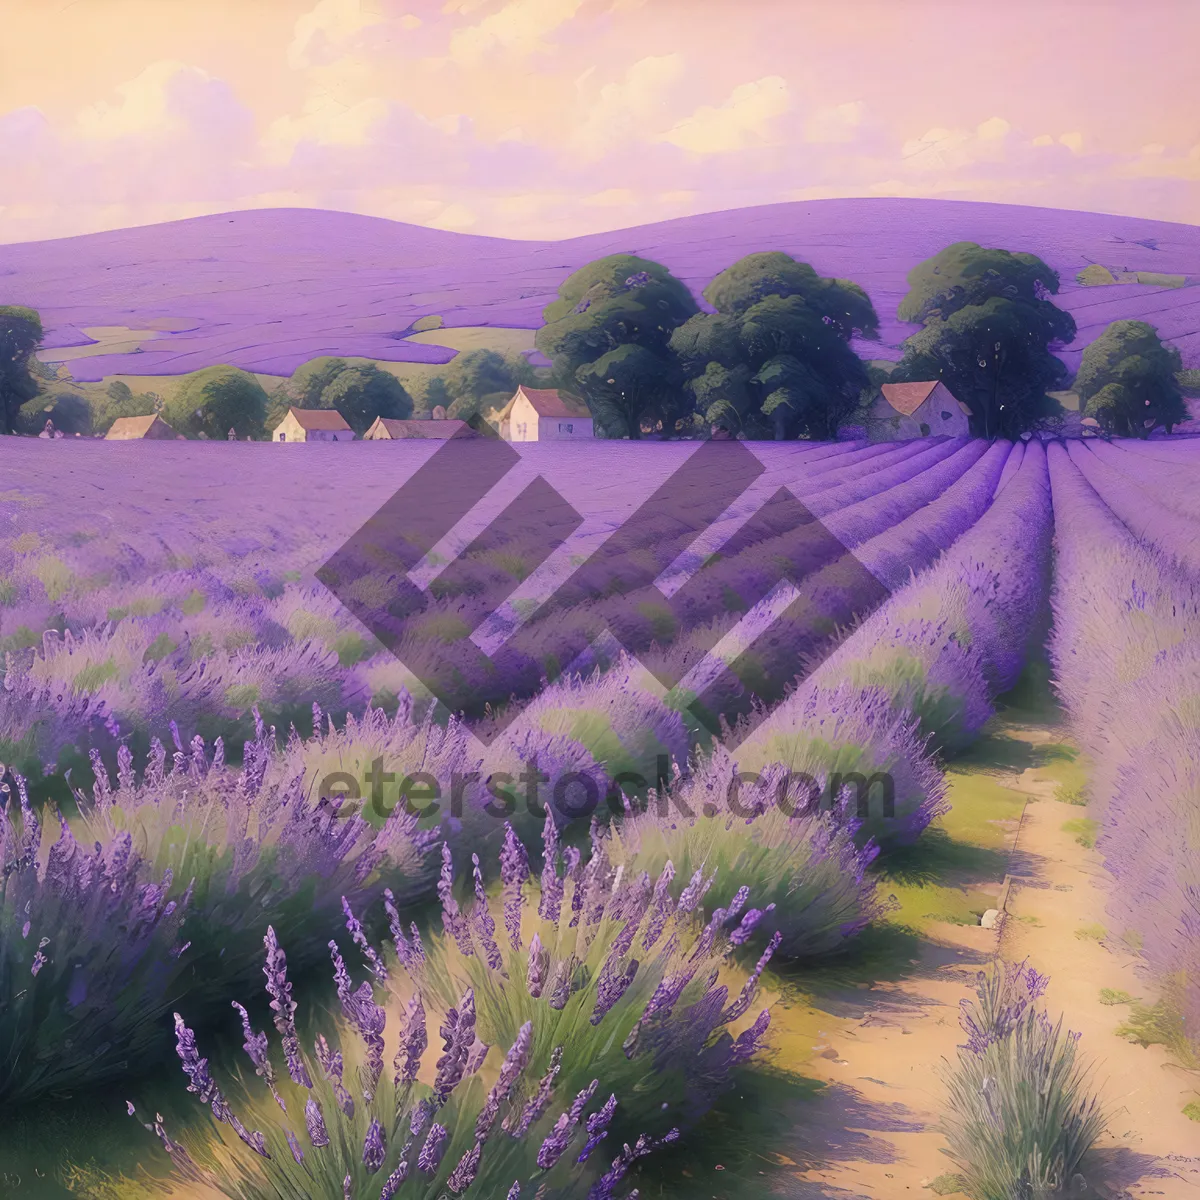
x=269, y=289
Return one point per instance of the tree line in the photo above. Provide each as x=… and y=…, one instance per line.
x=771, y=357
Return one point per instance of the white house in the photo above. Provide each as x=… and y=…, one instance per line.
x=911, y=410
x=544, y=415
x=312, y=425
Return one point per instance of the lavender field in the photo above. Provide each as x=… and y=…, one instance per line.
x=239, y=288
x=663, y=990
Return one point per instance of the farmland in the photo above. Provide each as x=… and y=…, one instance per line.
x=1003, y=631
x=240, y=288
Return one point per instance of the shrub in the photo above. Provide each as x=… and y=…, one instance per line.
x=259, y=844
x=609, y=964
x=388, y=1130
x=89, y=957
x=803, y=865
x=1021, y=1112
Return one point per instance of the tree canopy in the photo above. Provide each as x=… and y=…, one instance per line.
x=775, y=359
x=621, y=303
x=1127, y=380
x=214, y=400
x=363, y=392
x=989, y=324
x=20, y=336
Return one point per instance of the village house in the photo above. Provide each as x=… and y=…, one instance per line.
x=903, y=411
x=386, y=429
x=151, y=428
x=544, y=415
x=312, y=425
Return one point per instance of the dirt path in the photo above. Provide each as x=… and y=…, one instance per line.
x=1151, y=1148
x=875, y=1136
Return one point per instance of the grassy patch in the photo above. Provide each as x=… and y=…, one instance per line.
x=94, y=675
x=1160, y=1024
x=1084, y=829
x=350, y=649
x=948, y=1185
x=193, y=603
x=1091, y=933
x=159, y=648
x=1192, y=1111
x=1112, y=996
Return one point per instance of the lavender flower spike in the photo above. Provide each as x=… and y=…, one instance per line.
x=435, y=1146
x=485, y=926
x=464, y=1174
x=285, y=1008
x=392, y=1184
x=514, y=871
x=315, y=1123
x=741, y=1005
x=539, y=967
x=374, y=1150
x=597, y=1127
x=354, y=925
x=255, y=1046
x=413, y=1041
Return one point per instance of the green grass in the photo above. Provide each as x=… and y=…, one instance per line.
x=1192, y=1111
x=948, y=1185
x=1084, y=829
x=1112, y=996
x=1091, y=933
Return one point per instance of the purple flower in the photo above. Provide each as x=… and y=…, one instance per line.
x=514, y=1063
x=453, y=920
x=435, y=1146
x=284, y=1007
x=540, y=1101
x=315, y=1123
x=413, y=1041
x=294, y=1146
x=741, y=1005
x=392, y=1184
x=560, y=1136
x=354, y=925
x=458, y=1036
x=539, y=966
x=255, y=1046
x=597, y=1128
x=464, y=1174
x=514, y=870
x=485, y=927
x=611, y=985
x=550, y=903
x=374, y=1150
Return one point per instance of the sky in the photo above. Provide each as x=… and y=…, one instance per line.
x=552, y=118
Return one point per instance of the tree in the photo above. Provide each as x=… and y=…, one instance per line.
x=1127, y=381
x=310, y=379
x=756, y=276
x=990, y=359
x=68, y=410
x=20, y=336
x=620, y=304
x=966, y=275
x=211, y=401
x=989, y=326
x=363, y=392
x=775, y=359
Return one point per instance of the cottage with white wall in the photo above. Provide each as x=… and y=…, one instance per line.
x=544, y=415
x=312, y=425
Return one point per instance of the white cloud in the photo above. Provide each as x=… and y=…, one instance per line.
x=623, y=110
x=611, y=198
x=325, y=122
x=1073, y=142
x=330, y=25
x=1154, y=148
x=1043, y=139
x=519, y=28
x=993, y=129
x=837, y=124
x=145, y=104
x=745, y=119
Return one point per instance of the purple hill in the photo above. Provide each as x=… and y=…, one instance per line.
x=269, y=289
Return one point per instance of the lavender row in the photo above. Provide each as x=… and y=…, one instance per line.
x=1147, y=516
x=1126, y=657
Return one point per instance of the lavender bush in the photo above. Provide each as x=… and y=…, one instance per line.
x=1126, y=660
x=947, y=643
x=1021, y=1113
x=261, y=843
x=336, y=1124
x=89, y=956
x=604, y=961
x=831, y=735
x=803, y=865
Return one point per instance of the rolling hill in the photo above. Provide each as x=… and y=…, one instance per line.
x=268, y=289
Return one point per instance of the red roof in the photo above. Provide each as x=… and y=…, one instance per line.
x=319, y=418
x=906, y=398
x=547, y=402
